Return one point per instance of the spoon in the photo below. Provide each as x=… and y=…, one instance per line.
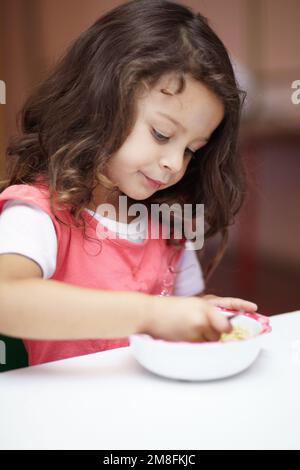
x=230, y=314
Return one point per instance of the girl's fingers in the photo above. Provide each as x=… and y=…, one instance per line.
x=234, y=303
x=200, y=339
x=219, y=322
x=206, y=331
x=241, y=304
x=211, y=335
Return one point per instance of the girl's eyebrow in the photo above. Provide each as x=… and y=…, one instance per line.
x=178, y=123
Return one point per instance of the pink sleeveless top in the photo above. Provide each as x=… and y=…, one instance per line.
x=108, y=263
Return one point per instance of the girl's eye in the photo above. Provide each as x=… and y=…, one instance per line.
x=162, y=138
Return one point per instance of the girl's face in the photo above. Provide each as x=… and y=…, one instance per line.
x=158, y=148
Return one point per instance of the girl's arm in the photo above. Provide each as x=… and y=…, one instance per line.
x=49, y=309
x=35, y=308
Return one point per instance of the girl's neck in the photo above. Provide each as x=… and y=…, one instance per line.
x=102, y=198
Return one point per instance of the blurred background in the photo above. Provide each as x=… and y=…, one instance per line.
x=262, y=262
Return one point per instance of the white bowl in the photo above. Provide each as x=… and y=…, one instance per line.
x=202, y=361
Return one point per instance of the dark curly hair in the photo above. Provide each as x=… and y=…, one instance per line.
x=85, y=109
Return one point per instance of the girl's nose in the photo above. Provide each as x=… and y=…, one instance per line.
x=173, y=161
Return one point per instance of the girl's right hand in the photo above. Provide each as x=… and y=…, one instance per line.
x=175, y=318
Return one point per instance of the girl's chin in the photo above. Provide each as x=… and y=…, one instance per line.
x=139, y=195
x=138, y=192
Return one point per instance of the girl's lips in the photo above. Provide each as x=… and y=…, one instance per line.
x=154, y=184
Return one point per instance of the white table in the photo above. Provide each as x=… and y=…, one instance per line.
x=108, y=401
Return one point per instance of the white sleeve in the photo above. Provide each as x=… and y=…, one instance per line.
x=190, y=280
x=28, y=230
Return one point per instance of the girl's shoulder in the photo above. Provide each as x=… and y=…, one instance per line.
x=26, y=192
x=37, y=194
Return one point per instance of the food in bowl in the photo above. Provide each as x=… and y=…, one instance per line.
x=237, y=334
x=202, y=361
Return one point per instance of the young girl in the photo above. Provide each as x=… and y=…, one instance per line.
x=144, y=105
